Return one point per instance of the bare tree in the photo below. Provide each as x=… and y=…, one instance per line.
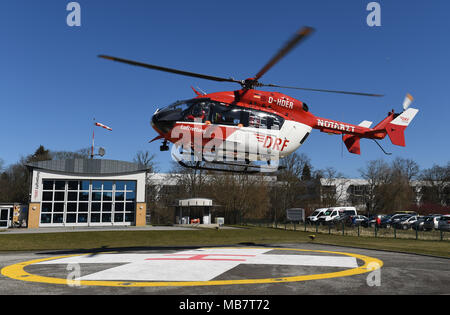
x=294, y=187
x=65, y=155
x=293, y=165
x=406, y=167
x=436, y=188
x=333, y=185
x=145, y=159
x=377, y=173
x=241, y=196
x=389, y=187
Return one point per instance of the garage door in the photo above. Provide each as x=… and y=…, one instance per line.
x=87, y=202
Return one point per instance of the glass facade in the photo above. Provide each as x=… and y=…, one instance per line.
x=88, y=202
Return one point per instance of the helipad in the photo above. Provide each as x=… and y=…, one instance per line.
x=196, y=267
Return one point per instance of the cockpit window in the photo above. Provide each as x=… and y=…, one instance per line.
x=179, y=106
x=203, y=109
x=233, y=115
x=258, y=119
x=227, y=115
x=199, y=111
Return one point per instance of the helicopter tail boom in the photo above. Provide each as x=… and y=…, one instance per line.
x=393, y=126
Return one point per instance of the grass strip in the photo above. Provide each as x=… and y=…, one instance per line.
x=91, y=240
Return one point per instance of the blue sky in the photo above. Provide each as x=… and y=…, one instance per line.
x=52, y=84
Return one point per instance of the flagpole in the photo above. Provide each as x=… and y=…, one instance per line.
x=93, y=134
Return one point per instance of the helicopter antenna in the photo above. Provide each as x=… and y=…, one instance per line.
x=203, y=92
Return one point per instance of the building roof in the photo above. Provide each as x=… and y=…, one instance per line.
x=195, y=202
x=89, y=166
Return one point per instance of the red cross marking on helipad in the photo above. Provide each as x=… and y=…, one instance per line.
x=202, y=257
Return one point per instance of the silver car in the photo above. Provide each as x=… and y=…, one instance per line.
x=406, y=223
x=444, y=223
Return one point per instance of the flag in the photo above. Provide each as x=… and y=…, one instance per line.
x=102, y=125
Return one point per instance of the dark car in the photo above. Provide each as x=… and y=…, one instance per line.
x=431, y=222
x=343, y=218
x=372, y=221
x=392, y=220
x=444, y=223
x=418, y=224
x=386, y=221
x=358, y=219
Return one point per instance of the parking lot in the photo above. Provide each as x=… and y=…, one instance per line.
x=402, y=226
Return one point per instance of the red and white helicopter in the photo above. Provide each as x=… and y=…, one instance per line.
x=231, y=130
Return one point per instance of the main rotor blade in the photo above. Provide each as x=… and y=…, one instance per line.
x=176, y=71
x=319, y=90
x=301, y=34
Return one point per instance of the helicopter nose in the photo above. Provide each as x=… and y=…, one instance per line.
x=164, y=121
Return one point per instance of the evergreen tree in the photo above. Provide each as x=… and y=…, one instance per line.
x=41, y=154
x=306, y=172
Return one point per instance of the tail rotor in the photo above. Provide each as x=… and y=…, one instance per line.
x=407, y=101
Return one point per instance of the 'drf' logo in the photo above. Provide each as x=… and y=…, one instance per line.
x=274, y=143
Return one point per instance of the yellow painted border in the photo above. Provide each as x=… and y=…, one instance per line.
x=17, y=272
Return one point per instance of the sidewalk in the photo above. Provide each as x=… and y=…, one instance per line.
x=187, y=227
x=94, y=228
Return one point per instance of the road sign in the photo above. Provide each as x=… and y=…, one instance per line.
x=295, y=214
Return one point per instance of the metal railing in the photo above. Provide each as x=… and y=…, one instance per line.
x=354, y=230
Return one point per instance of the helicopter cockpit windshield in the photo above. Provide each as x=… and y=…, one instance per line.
x=204, y=110
x=178, y=106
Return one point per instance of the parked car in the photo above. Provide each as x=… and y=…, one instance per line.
x=444, y=223
x=406, y=212
x=331, y=213
x=405, y=223
x=418, y=224
x=349, y=220
x=343, y=218
x=314, y=217
x=386, y=221
x=359, y=219
x=372, y=221
x=431, y=222
x=392, y=219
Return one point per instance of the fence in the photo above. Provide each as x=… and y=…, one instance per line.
x=358, y=230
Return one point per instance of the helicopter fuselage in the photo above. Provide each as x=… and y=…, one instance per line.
x=261, y=125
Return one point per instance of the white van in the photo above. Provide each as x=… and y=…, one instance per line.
x=334, y=212
x=314, y=217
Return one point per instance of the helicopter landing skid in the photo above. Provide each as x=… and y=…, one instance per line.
x=230, y=167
